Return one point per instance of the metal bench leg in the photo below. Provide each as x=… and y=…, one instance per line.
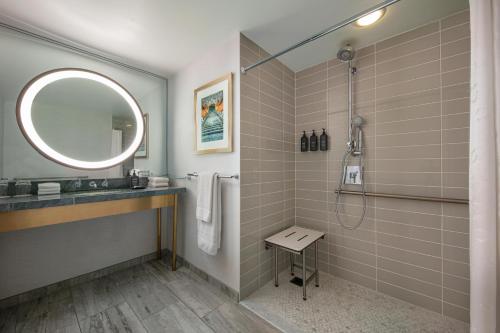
x=292, y=263
x=276, y=266
x=304, y=278
x=316, y=271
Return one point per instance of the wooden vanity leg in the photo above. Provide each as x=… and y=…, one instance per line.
x=158, y=233
x=174, y=235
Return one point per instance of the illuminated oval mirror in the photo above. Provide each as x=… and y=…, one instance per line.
x=80, y=119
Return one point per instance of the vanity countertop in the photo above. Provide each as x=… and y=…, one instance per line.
x=74, y=198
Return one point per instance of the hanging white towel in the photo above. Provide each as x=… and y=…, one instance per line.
x=209, y=232
x=205, y=193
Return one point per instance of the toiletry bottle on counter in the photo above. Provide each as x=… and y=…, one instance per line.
x=134, y=180
x=304, y=142
x=313, y=142
x=323, y=141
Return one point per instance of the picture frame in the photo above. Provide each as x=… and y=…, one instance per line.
x=143, y=150
x=213, y=113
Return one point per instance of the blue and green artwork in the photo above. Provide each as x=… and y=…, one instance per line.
x=212, y=117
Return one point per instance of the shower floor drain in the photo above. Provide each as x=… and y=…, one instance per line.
x=297, y=281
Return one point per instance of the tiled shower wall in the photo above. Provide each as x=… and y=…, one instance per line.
x=267, y=162
x=413, y=92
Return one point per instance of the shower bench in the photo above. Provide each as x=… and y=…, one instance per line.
x=296, y=240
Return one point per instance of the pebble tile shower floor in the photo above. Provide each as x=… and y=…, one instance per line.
x=342, y=306
x=147, y=298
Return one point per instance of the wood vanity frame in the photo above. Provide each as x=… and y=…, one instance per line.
x=39, y=217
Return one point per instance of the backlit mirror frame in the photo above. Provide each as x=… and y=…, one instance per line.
x=25, y=122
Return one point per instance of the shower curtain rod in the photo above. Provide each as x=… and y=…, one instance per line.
x=333, y=28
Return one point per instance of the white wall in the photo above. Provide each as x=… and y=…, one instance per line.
x=38, y=257
x=1, y=135
x=218, y=61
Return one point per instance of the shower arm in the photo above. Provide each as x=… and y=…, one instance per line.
x=325, y=32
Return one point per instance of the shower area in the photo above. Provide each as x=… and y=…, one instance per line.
x=391, y=191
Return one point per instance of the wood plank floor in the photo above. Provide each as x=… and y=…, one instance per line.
x=147, y=298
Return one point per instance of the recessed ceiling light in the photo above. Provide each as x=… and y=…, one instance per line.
x=370, y=18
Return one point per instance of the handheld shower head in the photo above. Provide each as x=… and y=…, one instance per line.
x=346, y=53
x=357, y=121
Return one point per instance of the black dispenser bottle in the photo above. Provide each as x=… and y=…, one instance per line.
x=313, y=142
x=323, y=141
x=134, y=180
x=304, y=142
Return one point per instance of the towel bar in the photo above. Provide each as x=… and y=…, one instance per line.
x=195, y=174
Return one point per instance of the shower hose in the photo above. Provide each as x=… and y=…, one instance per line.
x=345, y=159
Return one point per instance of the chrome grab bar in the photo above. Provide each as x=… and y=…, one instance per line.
x=408, y=197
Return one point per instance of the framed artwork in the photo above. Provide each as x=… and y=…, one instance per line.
x=213, y=112
x=142, y=151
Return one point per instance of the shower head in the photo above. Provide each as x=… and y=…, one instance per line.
x=357, y=121
x=346, y=53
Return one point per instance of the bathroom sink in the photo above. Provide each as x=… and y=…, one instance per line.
x=97, y=192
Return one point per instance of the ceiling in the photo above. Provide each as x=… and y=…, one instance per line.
x=166, y=35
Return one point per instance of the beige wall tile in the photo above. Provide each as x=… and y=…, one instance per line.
x=409, y=47
x=404, y=269
x=409, y=244
x=352, y=276
x=409, y=73
x=455, y=62
x=455, y=19
x=456, y=312
x=456, y=268
x=413, y=258
x=456, y=106
x=409, y=296
x=413, y=59
x=456, y=283
x=409, y=283
x=419, y=98
x=455, y=47
x=456, y=77
x=455, y=32
x=405, y=230
x=413, y=34
x=311, y=70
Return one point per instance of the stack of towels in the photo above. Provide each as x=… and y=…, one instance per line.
x=49, y=189
x=155, y=182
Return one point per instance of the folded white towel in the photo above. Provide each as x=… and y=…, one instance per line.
x=157, y=185
x=209, y=232
x=49, y=186
x=49, y=189
x=48, y=192
x=159, y=179
x=157, y=182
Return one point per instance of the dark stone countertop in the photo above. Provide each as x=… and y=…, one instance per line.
x=74, y=198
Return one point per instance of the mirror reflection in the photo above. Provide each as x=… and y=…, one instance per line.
x=83, y=119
